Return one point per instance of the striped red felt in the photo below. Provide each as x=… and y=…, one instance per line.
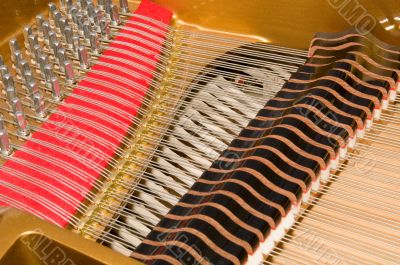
x=54, y=171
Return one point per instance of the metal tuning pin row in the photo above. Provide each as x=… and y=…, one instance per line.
x=42, y=60
x=57, y=51
x=25, y=79
x=5, y=146
x=26, y=76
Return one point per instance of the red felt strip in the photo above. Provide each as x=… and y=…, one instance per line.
x=55, y=170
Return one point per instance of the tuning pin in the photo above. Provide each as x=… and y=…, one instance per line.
x=8, y=80
x=55, y=46
x=48, y=73
x=107, y=7
x=66, y=23
x=69, y=72
x=55, y=89
x=4, y=140
x=16, y=55
x=65, y=5
x=32, y=41
x=68, y=37
x=123, y=4
x=90, y=11
x=97, y=17
x=77, y=42
x=37, y=52
x=24, y=67
x=52, y=9
x=72, y=13
x=52, y=38
x=86, y=31
x=1, y=60
x=23, y=128
x=15, y=104
x=18, y=111
x=16, y=58
x=105, y=29
x=79, y=22
x=94, y=43
x=57, y=16
x=43, y=61
x=32, y=89
x=46, y=31
x=28, y=77
x=83, y=57
x=39, y=105
x=69, y=4
x=39, y=23
x=3, y=71
x=14, y=46
x=62, y=22
x=11, y=93
x=115, y=19
x=61, y=58
x=27, y=31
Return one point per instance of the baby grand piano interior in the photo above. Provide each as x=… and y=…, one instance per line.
x=117, y=117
